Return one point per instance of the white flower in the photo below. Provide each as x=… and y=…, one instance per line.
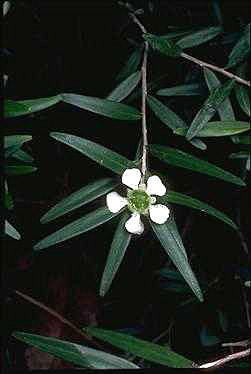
x=139, y=200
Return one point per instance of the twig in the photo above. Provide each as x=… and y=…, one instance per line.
x=242, y=343
x=144, y=95
x=216, y=68
x=223, y=360
x=58, y=316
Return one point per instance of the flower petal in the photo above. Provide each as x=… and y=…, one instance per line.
x=159, y=213
x=131, y=178
x=134, y=224
x=155, y=186
x=115, y=202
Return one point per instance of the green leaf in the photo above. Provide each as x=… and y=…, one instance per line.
x=75, y=353
x=190, y=89
x=176, y=157
x=225, y=109
x=81, y=225
x=11, y=150
x=151, y=86
x=104, y=107
x=209, y=108
x=219, y=128
x=23, y=107
x=118, y=248
x=125, y=88
x=241, y=49
x=103, y=156
x=169, y=243
x=11, y=231
x=14, y=109
x=19, y=169
x=141, y=348
x=6, y=7
x=172, y=227
x=174, y=35
x=241, y=92
x=197, y=143
x=21, y=155
x=182, y=199
x=166, y=115
x=241, y=154
x=8, y=200
x=80, y=198
x=241, y=139
x=172, y=120
x=167, y=47
x=10, y=141
x=199, y=37
x=131, y=65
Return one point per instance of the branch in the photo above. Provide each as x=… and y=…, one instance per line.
x=216, y=68
x=144, y=95
x=242, y=343
x=58, y=316
x=223, y=360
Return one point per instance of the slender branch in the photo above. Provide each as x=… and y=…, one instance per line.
x=223, y=360
x=144, y=95
x=58, y=316
x=242, y=343
x=216, y=68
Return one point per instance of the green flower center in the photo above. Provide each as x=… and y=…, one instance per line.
x=138, y=201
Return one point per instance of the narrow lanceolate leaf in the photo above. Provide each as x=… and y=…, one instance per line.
x=182, y=199
x=103, y=156
x=103, y=107
x=198, y=143
x=19, y=169
x=141, y=348
x=225, y=109
x=241, y=49
x=75, y=353
x=14, y=109
x=179, y=158
x=199, y=37
x=11, y=231
x=8, y=200
x=36, y=105
x=10, y=141
x=182, y=90
x=13, y=142
x=166, y=115
x=24, y=107
x=118, y=248
x=241, y=92
x=21, y=155
x=175, y=253
x=242, y=139
x=151, y=86
x=167, y=47
x=172, y=227
x=6, y=7
x=241, y=154
x=125, y=88
x=209, y=108
x=174, y=35
x=131, y=65
x=81, y=225
x=219, y=128
x=80, y=198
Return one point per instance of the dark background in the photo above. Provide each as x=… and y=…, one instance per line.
x=79, y=47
